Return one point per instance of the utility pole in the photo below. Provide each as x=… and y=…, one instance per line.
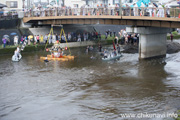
x=120, y=7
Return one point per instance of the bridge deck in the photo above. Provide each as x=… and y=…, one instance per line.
x=106, y=19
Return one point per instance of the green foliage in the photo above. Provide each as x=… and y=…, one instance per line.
x=30, y=48
x=178, y=118
x=175, y=33
x=109, y=41
x=7, y=51
x=178, y=112
x=108, y=38
x=174, y=37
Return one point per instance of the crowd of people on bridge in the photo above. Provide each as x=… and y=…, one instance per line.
x=127, y=10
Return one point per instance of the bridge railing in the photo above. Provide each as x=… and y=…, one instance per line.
x=126, y=11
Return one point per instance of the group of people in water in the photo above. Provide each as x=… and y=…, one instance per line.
x=113, y=53
x=105, y=52
x=56, y=52
x=17, y=52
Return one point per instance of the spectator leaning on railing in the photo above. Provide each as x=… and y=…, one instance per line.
x=135, y=9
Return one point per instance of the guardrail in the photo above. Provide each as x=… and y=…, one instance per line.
x=8, y=17
x=126, y=11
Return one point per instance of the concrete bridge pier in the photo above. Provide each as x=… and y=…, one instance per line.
x=152, y=41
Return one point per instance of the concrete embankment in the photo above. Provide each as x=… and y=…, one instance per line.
x=78, y=44
x=10, y=23
x=43, y=30
x=10, y=32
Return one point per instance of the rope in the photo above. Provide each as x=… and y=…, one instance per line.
x=62, y=32
x=66, y=41
x=48, y=37
x=60, y=37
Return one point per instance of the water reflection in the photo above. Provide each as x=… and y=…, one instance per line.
x=86, y=88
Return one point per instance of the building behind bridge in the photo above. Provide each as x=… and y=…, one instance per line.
x=20, y=4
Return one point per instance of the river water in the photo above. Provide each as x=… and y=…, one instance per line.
x=88, y=89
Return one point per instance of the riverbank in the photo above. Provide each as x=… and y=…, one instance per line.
x=174, y=37
x=172, y=47
x=32, y=48
x=110, y=39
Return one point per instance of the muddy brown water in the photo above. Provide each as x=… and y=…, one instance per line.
x=87, y=89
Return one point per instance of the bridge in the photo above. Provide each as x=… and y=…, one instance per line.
x=114, y=20
x=153, y=27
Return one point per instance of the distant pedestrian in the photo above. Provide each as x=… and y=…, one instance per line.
x=15, y=40
x=100, y=47
x=114, y=33
x=57, y=39
x=84, y=35
x=116, y=40
x=150, y=9
x=29, y=40
x=50, y=38
x=41, y=39
x=79, y=38
x=37, y=37
x=53, y=38
x=45, y=38
x=4, y=42
x=110, y=33
x=7, y=41
x=171, y=37
x=21, y=42
x=118, y=49
x=135, y=9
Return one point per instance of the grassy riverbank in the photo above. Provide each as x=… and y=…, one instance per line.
x=10, y=49
x=30, y=48
x=174, y=37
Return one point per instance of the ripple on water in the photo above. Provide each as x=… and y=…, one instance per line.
x=85, y=88
x=172, y=68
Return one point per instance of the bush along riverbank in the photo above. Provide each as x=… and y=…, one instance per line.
x=175, y=34
x=109, y=39
x=30, y=48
